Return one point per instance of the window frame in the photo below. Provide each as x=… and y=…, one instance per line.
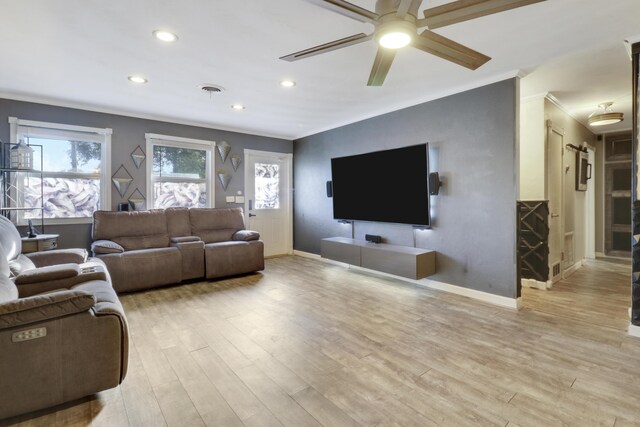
x=102, y=136
x=153, y=140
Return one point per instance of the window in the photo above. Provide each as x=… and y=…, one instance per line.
x=75, y=161
x=267, y=181
x=180, y=172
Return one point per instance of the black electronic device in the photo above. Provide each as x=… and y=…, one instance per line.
x=373, y=238
x=434, y=183
x=329, y=189
x=383, y=186
x=31, y=230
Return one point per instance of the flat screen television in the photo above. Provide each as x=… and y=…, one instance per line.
x=384, y=186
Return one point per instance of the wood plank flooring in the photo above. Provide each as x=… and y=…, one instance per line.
x=308, y=343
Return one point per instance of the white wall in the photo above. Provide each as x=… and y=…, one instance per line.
x=532, y=155
x=575, y=202
x=534, y=113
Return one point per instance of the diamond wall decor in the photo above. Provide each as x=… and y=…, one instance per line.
x=224, y=178
x=137, y=201
x=122, y=179
x=138, y=156
x=235, y=161
x=223, y=150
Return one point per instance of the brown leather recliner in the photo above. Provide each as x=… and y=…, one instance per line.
x=63, y=332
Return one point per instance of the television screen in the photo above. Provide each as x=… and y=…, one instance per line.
x=384, y=186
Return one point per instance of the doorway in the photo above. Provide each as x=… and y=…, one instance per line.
x=555, y=192
x=618, y=169
x=268, y=207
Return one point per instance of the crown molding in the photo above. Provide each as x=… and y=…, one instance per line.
x=136, y=115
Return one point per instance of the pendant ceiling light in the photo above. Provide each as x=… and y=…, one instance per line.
x=604, y=115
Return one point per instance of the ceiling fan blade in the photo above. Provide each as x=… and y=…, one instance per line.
x=328, y=47
x=445, y=48
x=347, y=9
x=407, y=6
x=381, y=65
x=463, y=10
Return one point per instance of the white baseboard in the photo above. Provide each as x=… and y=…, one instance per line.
x=501, y=301
x=634, y=331
x=535, y=284
x=569, y=271
x=306, y=254
x=471, y=293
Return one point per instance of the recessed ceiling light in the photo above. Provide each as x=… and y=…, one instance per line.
x=238, y=107
x=138, y=79
x=287, y=83
x=165, y=36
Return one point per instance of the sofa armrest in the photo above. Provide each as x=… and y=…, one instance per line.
x=47, y=274
x=106, y=247
x=58, y=256
x=246, y=235
x=185, y=239
x=40, y=308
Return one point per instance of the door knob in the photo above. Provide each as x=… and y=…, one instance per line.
x=554, y=215
x=251, y=215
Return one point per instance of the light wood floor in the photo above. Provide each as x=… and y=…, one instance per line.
x=309, y=343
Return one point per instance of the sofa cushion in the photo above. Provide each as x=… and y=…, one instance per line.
x=132, y=230
x=20, y=265
x=178, y=222
x=246, y=235
x=106, y=247
x=216, y=225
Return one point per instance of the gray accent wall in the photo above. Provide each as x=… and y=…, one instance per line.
x=472, y=144
x=128, y=133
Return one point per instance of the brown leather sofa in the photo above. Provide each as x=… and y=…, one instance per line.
x=146, y=249
x=63, y=332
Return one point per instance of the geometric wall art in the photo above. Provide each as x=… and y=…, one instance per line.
x=235, y=161
x=223, y=150
x=138, y=156
x=224, y=178
x=121, y=180
x=137, y=201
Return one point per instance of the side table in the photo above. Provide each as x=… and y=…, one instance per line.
x=42, y=242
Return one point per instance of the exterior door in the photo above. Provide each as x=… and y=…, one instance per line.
x=555, y=186
x=268, y=199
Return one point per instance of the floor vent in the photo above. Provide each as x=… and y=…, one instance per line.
x=555, y=269
x=568, y=250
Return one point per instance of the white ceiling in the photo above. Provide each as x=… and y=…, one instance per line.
x=79, y=53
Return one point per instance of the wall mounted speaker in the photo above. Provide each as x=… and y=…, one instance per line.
x=329, y=188
x=373, y=238
x=434, y=183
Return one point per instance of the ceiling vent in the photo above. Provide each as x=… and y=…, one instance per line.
x=211, y=89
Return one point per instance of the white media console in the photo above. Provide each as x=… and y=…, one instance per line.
x=404, y=261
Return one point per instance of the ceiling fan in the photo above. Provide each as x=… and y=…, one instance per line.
x=396, y=25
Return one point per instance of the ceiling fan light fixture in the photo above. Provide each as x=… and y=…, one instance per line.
x=605, y=116
x=395, y=35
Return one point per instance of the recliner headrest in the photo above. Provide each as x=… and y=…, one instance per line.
x=9, y=239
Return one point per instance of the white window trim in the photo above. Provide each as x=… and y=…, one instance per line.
x=177, y=141
x=105, y=171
